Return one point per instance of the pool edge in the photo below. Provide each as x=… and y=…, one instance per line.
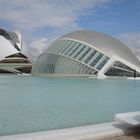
x=94, y=132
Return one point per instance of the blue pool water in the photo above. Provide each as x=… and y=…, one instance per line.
x=32, y=104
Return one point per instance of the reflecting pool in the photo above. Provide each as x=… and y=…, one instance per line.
x=32, y=104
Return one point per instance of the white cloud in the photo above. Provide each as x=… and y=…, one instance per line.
x=36, y=48
x=132, y=40
x=61, y=16
x=30, y=16
x=41, y=44
x=34, y=14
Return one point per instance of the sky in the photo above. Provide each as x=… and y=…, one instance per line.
x=42, y=21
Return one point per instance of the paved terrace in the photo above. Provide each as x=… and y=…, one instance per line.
x=106, y=131
x=135, y=136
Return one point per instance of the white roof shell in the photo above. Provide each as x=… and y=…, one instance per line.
x=104, y=43
x=6, y=48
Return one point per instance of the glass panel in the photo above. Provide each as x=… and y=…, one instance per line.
x=89, y=58
x=84, y=54
x=103, y=63
x=81, y=48
x=96, y=60
x=68, y=43
x=77, y=49
x=70, y=48
x=53, y=63
x=119, y=72
x=74, y=49
x=121, y=65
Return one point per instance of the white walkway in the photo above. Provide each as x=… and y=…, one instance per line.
x=94, y=132
x=128, y=123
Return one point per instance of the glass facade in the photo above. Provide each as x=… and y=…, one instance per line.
x=68, y=57
x=120, y=69
x=57, y=64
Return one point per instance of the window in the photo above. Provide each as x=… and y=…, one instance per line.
x=121, y=65
x=74, y=48
x=96, y=60
x=70, y=47
x=66, y=46
x=105, y=60
x=81, y=48
x=119, y=72
x=84, y=54
x=89, y=58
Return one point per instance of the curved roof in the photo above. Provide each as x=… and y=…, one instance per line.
x=105, y=43
x=11, y=37
x=6, y=48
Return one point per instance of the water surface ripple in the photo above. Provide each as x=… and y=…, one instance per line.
x=32, y=104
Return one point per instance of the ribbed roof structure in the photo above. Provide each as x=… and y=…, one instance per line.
x=88, y=53
x=104, y=43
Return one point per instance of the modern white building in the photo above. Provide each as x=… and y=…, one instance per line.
x=11, y=58
x=87, y=53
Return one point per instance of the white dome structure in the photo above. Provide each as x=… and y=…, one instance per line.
x=6, y=44
x=11, y=58
x=87, y=53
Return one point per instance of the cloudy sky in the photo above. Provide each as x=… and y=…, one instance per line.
x=42, y=21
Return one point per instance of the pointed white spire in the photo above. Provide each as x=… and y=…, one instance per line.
x=18, y=33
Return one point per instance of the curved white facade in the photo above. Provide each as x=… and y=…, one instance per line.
x=9, y=43
x=6, y=48
x=87, y=53
x=105, y=44
x=11, y=59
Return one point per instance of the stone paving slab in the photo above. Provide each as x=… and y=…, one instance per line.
x=91, y=132
x=126, y=137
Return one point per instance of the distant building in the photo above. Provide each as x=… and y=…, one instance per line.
x=11, y=58
x=87, y=53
